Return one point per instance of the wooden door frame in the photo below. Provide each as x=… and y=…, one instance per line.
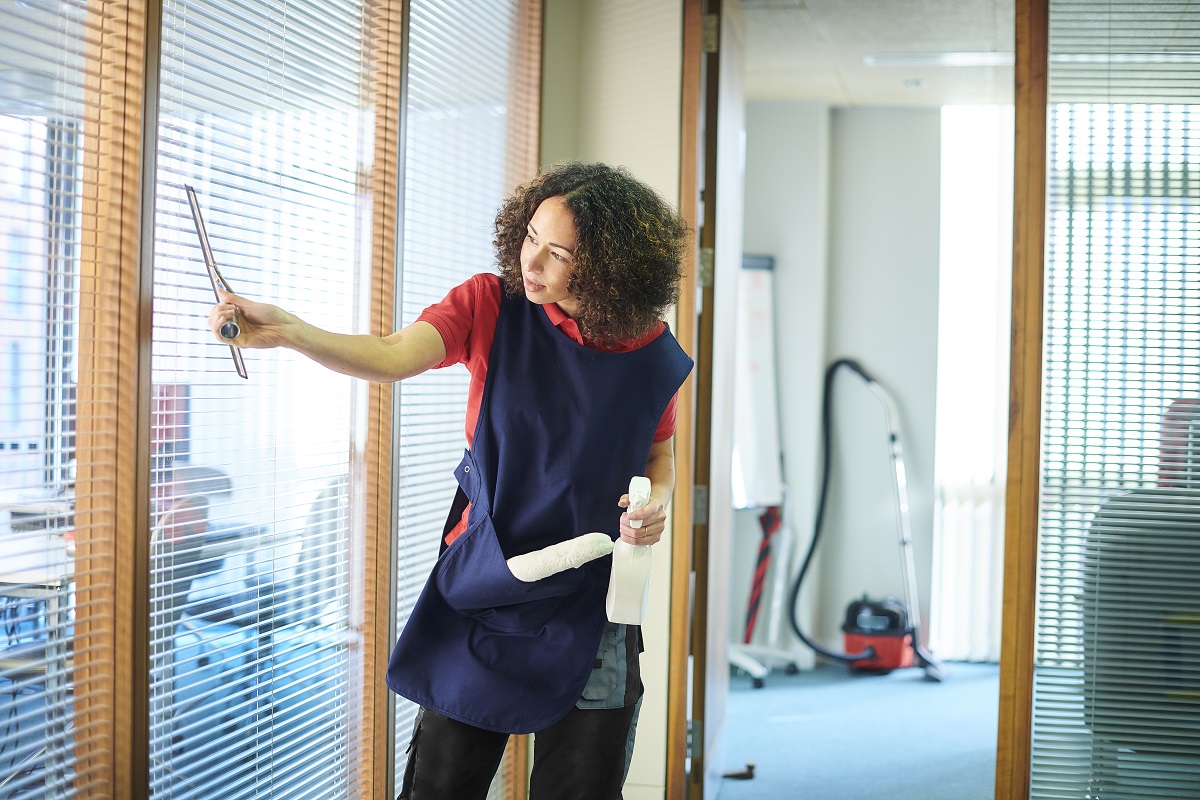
x=697, y=189
x=1025, y=383
x=1023, y=482
x=682, y=510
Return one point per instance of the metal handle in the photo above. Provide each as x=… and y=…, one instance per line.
x=230, y=330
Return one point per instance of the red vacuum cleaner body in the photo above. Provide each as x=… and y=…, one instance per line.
x=880, y=627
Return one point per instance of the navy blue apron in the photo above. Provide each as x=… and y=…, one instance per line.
x=561, y=430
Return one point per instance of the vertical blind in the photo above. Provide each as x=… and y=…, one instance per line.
x=467, y=140
x=51, y=101
x=1116, y=710
x=260, y=109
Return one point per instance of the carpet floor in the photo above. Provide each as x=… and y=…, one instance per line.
x=827, y=734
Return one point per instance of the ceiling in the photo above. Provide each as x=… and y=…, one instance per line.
x=818, y=51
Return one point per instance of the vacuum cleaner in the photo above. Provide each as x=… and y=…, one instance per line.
x=880, y=635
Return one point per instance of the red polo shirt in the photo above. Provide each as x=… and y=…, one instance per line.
x=466, y=319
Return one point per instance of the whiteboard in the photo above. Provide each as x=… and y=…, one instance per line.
x=757, y=474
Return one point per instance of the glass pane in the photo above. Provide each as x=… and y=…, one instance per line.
x=42, y=113
x=251, y=636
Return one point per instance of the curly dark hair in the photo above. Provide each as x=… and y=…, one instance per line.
x=628, y=247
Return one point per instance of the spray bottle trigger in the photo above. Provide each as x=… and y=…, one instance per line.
x=639, y=495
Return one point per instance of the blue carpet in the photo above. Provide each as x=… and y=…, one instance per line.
x=827, y=734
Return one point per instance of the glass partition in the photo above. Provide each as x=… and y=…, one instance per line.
x=1116, y=710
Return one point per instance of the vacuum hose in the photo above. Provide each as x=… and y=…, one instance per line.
x=826, y=425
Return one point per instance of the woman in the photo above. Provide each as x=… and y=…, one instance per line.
x=573, y=382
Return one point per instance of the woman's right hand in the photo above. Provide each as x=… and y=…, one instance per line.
x=382, y=359
x=262, y=324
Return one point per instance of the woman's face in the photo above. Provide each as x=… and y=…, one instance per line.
x=548, y=255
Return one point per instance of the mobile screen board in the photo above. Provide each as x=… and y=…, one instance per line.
x=229, y=330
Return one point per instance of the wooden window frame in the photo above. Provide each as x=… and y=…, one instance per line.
x=113, y=407
x=385, y=26
x=114, y=398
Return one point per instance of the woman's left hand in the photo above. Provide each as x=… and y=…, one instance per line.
x=654, y=521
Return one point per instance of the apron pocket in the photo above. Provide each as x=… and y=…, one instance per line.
x=608, y=671
x=474, y=579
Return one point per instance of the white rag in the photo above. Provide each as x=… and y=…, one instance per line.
x=572, y=553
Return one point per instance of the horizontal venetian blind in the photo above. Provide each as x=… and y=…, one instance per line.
x=260, y=109
x=1117, y=674
x=466, y=144
x=63, y=67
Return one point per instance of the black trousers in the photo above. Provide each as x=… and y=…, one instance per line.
x=581, y=757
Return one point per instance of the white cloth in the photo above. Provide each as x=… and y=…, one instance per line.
x=566, y=555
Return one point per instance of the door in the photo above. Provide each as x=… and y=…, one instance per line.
x=721, y=156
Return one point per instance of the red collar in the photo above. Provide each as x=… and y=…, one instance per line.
x=559, y=319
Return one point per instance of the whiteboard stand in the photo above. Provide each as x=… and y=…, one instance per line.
x=757, y=460
x=753, y=659
x=757, y=660
x=739, y=656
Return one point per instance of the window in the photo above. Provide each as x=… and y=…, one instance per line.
x=251, y=636
x=973, y=339
x=1117, y=671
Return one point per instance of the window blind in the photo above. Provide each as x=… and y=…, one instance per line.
x=58, y=64
x=261, y=110
x=1116, y=710
x=468, y=135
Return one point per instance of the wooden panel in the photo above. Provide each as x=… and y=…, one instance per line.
x=525, y=96
x=1024, y=433
x=516, y=768
x=111, y=668
x=685, y=331
x=372, y=466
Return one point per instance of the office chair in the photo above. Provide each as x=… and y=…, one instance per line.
x=1141, y=619
x=261, y=648
x=186, y=548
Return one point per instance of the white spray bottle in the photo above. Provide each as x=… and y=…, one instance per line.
x=629, y=581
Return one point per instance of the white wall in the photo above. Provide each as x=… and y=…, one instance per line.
x=864, y=287
x=787, y=216
x=611, y=86
x=883, y=290
x=611, y=93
